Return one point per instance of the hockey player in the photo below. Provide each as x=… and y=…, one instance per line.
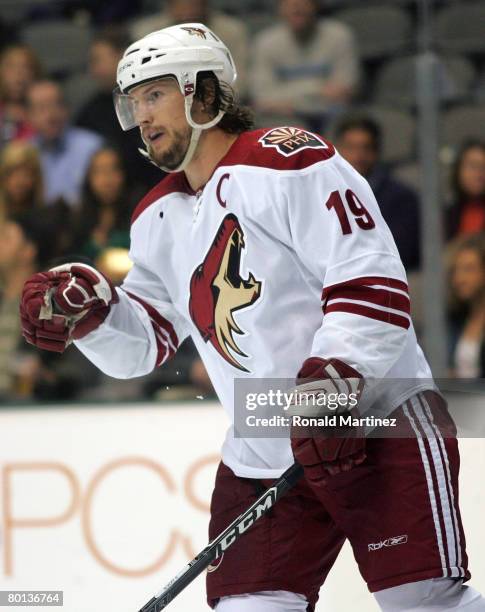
x=270, y=251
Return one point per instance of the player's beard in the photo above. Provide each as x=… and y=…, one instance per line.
x=172, y=157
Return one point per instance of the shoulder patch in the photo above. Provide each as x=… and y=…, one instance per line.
x=279, y=148
x=290, y=140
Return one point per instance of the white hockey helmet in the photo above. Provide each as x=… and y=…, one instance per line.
x=181, y=51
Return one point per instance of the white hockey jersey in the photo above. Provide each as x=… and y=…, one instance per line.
x=283, y=255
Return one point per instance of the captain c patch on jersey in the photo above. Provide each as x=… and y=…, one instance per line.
x=290, y=140
x=217, y=291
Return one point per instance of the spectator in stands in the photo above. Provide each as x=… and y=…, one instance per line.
x=21, y=186
x=231, y=30
x=358, y=139
x=108, y=201
x=27, y=242
x=304, y=65
x=64, y=150
x=467, y=307
x=19, y=67
x=466, y=215
x=99, y=115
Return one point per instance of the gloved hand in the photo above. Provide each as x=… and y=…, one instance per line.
x=326, y=451
x=63, y=304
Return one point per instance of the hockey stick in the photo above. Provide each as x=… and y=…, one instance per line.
x=222, y=542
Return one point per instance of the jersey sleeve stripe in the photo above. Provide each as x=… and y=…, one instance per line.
x=367, y=281
x=161, y=321
x=375, y=297
x=164, y=351
x=366, y=311
x=166, y=337
x=379, y=297
x=367, y=305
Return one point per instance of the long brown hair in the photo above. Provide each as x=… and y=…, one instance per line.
x=473, y=242
x=456, y=187
x=15, y=154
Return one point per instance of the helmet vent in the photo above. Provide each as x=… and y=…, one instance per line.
x=132, y=51
x=146, y=59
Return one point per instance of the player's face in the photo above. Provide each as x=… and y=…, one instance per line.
x=160, y=113
x=468, y=278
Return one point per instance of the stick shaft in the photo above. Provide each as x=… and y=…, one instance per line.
x=224, y=540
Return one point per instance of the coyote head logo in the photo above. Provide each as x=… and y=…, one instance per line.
x=217, y=291
x=195, y=31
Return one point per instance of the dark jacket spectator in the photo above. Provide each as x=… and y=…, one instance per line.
x=466, y=317
x=399, y=206
x=98, y=114
x=358, y=140
x=466, y=215
x=8, y=33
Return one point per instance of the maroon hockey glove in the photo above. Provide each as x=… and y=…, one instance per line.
x=326, y=451
x=64, y=304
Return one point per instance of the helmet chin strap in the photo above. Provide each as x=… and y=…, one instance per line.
x=194, y=141
x=194, y=138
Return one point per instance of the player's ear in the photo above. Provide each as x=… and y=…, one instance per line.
x=209, y=94
x=199, y=112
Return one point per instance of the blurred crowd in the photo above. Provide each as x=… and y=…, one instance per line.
x=70, y=178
